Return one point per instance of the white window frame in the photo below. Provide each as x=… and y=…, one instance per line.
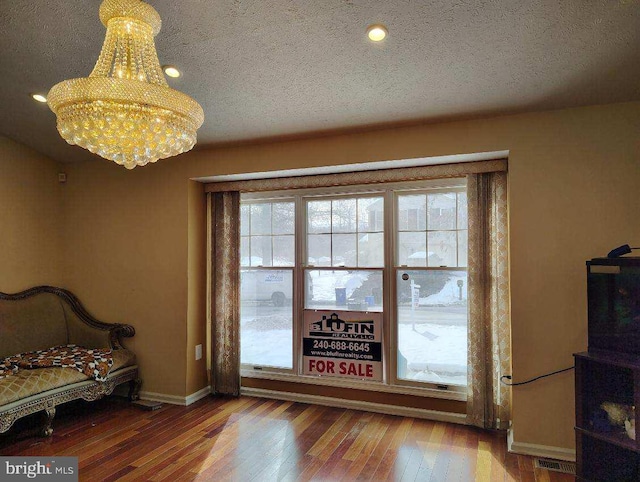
x=390, y=383
x=397, y=267
x=285, y=197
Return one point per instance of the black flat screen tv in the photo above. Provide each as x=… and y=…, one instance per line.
x=613, y=290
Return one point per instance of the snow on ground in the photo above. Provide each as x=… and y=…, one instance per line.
x=257, y=348
x=326, y=282
x=435, y=351
x=448, y=295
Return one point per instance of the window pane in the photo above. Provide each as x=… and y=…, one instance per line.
x=344, y=250
x=319, y=249
x=463, y=248
x=319, y=216
x=412, y=249
x=353, y=290
x=462, y=210
x=283, y=218
x=370, y=214
x=284, y=251
x=442, y=211
x=245, y=214
x=412, y=212
x=244, y=251
x=432, y=326
x=442, y=248
x=343, y=214
x=371, y=250
x=266, y=318
x=260, y=218
x=260, y=250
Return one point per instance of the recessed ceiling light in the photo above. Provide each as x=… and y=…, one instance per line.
x=171, y=71
x=377, y=33
x=39, y=97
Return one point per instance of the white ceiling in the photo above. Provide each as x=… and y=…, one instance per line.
x=267, y=68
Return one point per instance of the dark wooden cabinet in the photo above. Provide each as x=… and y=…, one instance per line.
x=604, y=451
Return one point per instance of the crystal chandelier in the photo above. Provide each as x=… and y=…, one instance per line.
x=125, y=111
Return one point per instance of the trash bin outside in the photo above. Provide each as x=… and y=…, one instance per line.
x=377, y=295
x=341, y=296
x=369, y=300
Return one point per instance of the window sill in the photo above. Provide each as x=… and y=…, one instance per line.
x=456, y=393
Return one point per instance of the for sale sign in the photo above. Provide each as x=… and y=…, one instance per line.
x=346, y=344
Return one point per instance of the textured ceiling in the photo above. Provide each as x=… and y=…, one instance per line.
x=267, y=68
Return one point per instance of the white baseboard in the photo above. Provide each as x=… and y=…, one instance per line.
x=199, y=395
x=174, y=399
x=460, y=418
x=546, y=451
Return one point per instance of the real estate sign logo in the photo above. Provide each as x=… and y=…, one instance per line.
x=346, y=345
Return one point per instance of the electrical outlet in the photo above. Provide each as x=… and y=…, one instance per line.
x=198, y=352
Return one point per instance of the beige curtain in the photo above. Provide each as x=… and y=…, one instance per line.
x=225, y=293
x=489, y=338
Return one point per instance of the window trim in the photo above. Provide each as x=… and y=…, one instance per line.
x=372, y=386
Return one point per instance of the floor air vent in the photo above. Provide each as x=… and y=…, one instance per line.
x=564, y=467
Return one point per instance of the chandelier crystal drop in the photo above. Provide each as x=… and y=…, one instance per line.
x=125, y=111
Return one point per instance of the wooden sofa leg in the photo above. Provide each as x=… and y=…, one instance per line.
x=134, y=389
x=47, y=431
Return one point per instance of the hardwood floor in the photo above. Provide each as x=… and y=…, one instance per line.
x=251, y=439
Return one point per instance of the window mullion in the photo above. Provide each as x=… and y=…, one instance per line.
x=457, y=231
x=390, y=341
x=301, y=256
x=331, y=233
x=426, y=231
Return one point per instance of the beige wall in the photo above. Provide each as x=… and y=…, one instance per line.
x=132, y=239
x=30, y=219
x=197, y=283
x=126, y=257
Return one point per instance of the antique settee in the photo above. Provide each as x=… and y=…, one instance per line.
x=44, y=317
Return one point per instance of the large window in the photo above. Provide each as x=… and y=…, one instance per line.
x=267, y=237
x=400, y=250
x=431, y=304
